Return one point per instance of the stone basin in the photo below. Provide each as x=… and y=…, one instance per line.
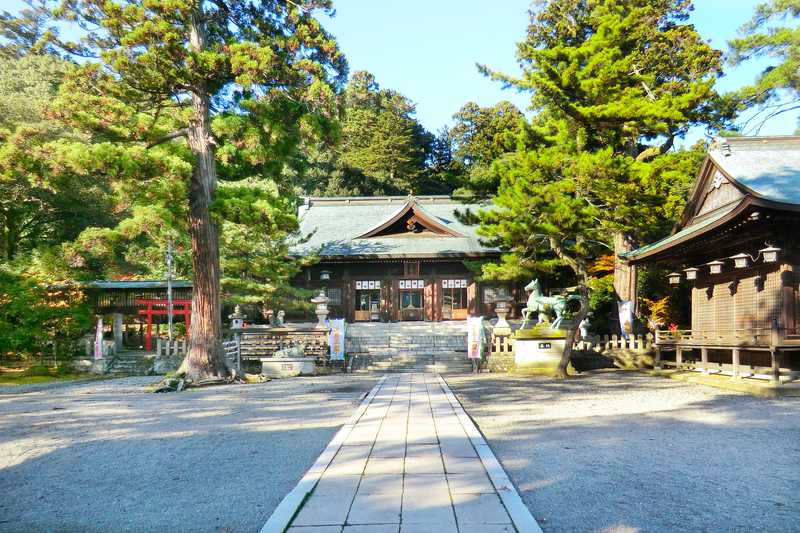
x=288, y=367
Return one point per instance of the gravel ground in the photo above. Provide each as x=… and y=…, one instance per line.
x=105, y=456
x=626, y=452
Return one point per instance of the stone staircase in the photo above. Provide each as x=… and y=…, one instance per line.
x=408, y=347
x=131, y=363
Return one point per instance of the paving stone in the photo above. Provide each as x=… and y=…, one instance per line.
x=381, y=484
x=384, y=465
x=480, y=509
x=381, y=508
x=470, y=483
x=362, y=434
x=314, y=529
x=423, y=459
x=458, y=448
x=379, y=528
x=389, y=449
x=484, y=528
x=322, y=510
x=461, y=465
x=350, y=460
x=422, y=484
x=428, y=528
x=427, y=507
x=330, y=484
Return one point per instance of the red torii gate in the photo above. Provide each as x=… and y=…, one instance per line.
x=159, y=307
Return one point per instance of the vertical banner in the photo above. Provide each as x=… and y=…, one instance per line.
x=98, y=340
x=474, y=337
x=625, y=309
x=336, y=339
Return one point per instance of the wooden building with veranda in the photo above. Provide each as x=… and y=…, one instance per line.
x=737, y=248
x=396, y=258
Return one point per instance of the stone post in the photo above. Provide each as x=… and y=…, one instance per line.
x=118, y=331
x=237, y=325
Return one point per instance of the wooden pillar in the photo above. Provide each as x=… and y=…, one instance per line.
x=657, y=361
x=678, y=357
x=776, y=367
x=735, y=363
x=704, y=359
x=148, y=339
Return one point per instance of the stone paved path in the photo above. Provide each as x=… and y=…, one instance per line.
x=410, y=462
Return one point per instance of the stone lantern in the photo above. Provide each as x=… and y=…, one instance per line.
x=237, y=318
x=321, y=301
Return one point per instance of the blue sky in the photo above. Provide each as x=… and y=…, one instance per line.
x=427, y=49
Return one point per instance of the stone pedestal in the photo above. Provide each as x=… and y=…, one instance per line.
x=502, y=308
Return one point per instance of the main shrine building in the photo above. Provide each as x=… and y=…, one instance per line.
x=395, y=258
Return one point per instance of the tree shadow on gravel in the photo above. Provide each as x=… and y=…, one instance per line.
x=203, y=460
x=630, y=452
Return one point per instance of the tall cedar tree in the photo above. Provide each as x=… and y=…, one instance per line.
x=772, y=32
x=159, y=73
x=615, y=83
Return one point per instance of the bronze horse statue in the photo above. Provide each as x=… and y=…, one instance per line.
x=537, y=305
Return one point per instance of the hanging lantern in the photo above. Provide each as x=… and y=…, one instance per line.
x=674, y=278
x=691, y=273
x=715, y=267
x=741, y=260
x=325, y=275
x=770, y=253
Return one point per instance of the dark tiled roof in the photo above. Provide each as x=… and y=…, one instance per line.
x=336, y=224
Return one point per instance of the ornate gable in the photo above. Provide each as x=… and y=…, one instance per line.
x=713, y=191
x=411, y=220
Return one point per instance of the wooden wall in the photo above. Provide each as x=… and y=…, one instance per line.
x=744, y=299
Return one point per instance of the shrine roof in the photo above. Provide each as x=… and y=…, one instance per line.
x=136, y=284
x=765, y=172
x=351, y=227
x=769, y=167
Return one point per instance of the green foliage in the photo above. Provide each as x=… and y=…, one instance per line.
x=770, y=33
x=480, y=136
x=258, y=226
x=44, y=199
x=615, y=83
x=34, y=316
x=602, y=303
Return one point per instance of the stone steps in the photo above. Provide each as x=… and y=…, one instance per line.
x=131, y=364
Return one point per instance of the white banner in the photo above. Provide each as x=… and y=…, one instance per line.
x=625, y=309
x=474, y=337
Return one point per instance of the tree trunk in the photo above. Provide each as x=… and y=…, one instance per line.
x=566, y=356
x=624, y=274
x=205, y=358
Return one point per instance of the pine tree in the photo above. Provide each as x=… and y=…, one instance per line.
x=614, y=83
x=480, y=136
x=777, y=88
x=381, y=139
x=188, y=92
